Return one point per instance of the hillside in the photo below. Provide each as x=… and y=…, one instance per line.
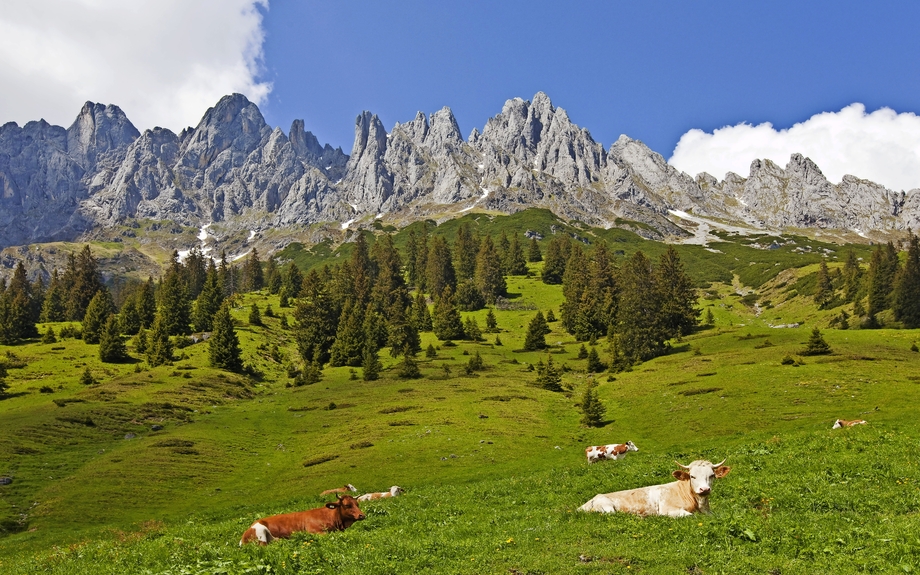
x=161, y=469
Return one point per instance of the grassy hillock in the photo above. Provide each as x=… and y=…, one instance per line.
x=161, y=470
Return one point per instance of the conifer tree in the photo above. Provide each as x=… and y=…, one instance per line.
x=676, y=295
x=469, y=297
x=403, y=338
x=638, y=323
x=548, y=375
x=533, y=252
x=317, y=316
x=439, y=270
x=194, y=272
x=582, y=352
x=49, y=336
x=293, y=280
x=111, y=347
x=536, y=333
x=255, y=317
x=906, y=300
x=86, y=280
x=594, y=362
x=883, y=268
x=409, y=369
x=255, y=279
x=140, y=342
x=350, y=343
x=370, y=364
x=430, y=351
x=54, y=307
x=592, y=410
x=824, y=291
x=852, y=276
x=159, y=347
x=273, y=279
x=489, y=275
x=412, y=271
x=128, y=318
x=465, y=250
x=97, y=314
x=575, y=282
x=147, y=303
x=445, y=320
x=515, y=264
x=4, y=386
x=223, y=346
x=175, y=309
x=816, y=344
x=557, y=253
x=491, y=322
x=209, y=301
x=421, y=317
x=471, y=329
x=86, y=378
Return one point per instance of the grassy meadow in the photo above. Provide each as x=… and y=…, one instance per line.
x=161, y=470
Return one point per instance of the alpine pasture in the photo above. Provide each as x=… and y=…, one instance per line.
x=161, y=469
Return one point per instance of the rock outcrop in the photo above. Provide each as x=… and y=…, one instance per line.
x=234, y=169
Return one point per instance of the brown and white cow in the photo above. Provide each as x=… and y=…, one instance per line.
x=686, y=496
x=334, y=516
x=613, y=451
x=847, y=423
x=393, y=492
x=344, y=489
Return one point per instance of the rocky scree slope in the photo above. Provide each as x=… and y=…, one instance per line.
x=57, y=184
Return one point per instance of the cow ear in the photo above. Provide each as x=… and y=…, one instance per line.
x=681, y=475
x=722, y=471
x=331, y=505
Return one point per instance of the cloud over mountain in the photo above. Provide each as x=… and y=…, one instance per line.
x=882, y=146
x=162, y=61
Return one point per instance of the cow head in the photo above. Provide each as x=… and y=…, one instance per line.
x=837, y=424
x=630, y=446
x=351, y=487
x=700, y=474
x=348, y=510
x=396, y=490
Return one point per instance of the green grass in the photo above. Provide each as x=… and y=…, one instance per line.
x=493, y=467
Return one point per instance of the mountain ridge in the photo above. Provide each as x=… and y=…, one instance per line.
x=234, y=169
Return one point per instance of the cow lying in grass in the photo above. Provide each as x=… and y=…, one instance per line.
x=393, y=492
x=344, y=489
x=334, y=516
x=686, y=496
x=847, y=423
x=613, y=451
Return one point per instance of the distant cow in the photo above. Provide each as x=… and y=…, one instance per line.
x=344, y=489
x=393, y=492
x=613, y=451
x=847, y=423
x=335, y=516
x=688, y=495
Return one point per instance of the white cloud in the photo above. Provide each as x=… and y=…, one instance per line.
x=164, y=62
x=883, y=146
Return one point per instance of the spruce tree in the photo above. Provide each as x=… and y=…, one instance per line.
x=159, y=347
x=175, y=308
x=594, y=362
x=370, y=364
x=86, y=378
x=140, y=342
x=489, y=275
x=273, y=279
x=548, y=375
x=638, y=324
x=592, y=410
x=209, y=301
x=883, y=268
x=147, y=303
x=255, y=279
x=515, y=264
x=49, y=336
x=533, y=252
x=536, y=333
x=816, y=344
x=402, y=337
x=906, y=300
x=557, y=254
x=128, y=317
x=676, y=296
x=111, y=347
x=350, y=342
x=4, y=386
x=465, y=249
x=409, y=369
x=97, y=314
x=471, y=329
x=255, y=317
x=54, y=307
x=439, y=270
x=86, y=281
x=445, y=320
x=194, y=272
x=491, y=322
x=469, y=297
x=852, y=276
x=293, y=280
x=421, y=317
x=824, y=291
x=224, y=346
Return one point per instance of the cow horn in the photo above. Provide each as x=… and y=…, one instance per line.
x=679, y=464
x=719, y=464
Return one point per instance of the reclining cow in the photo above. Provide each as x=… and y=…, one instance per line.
x=393, y=492
x=847, y=423
x=334, y=516
x=613, y=451
x=688, y=495
x=344, y=489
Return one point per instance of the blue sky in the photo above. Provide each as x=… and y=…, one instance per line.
x=709, y=84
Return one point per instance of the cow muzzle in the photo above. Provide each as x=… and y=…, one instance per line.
x=705, y=490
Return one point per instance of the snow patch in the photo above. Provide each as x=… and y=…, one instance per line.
x=702, y=233
x=252, y=234
x=348, y=223
x=859, y=233
x=378, y=217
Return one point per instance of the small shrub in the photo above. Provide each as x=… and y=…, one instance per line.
x=87, y=377
x=788, y=360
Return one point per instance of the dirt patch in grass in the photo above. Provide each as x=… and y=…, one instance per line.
x=397, y=409
x=319, y=460
x=701, y=391
x=505, y=397
x=174, y=443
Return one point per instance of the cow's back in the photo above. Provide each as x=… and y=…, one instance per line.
x=651, y=500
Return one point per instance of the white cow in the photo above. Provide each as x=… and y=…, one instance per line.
x=847, y=423
x=613, y=451
x=688, y=495
x=393, y=492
